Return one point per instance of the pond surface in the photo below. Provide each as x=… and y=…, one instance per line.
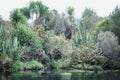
x=61, y=75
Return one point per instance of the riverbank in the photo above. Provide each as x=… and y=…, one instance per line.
x=38, y=66
x=62, y=75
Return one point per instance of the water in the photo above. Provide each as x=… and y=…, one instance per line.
x=61, y=75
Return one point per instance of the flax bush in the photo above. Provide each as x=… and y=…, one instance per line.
x=9, y=45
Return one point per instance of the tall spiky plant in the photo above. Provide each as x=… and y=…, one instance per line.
x=83, y=37
x=4, y=41
x=8, y=44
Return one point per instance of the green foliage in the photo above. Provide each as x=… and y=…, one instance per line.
x=83, y=54
x=66, y=63
x=9, y=45
x=27, y=65
x=50, y=48
x=83, y=35
x=18, y=66
x=60, y=64
x=3, y=41
x=54, y=46
x=115, y=16
x=89, y=19
x=98, y=60
x=40, y=30
x=104, y=25
x=25, y=12
x=33, y=65
x=16, y=16
x=15, y=51
x=88, y=67
x=26, y=36
x=56, y=64
x=56, y=23
x=70, y=11
x=40, y=10
x=83, y=38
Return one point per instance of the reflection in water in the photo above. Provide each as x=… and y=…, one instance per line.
x=61, y=75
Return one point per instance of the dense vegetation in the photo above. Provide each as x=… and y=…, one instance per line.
x=54, y=41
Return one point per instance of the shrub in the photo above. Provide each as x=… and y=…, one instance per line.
x=27, y=65
x=98, y=60
x=56, y=64
x=15, y=51
x=83, y=54
x=66, y=63
x=9, y=44
x=33, y=65
x=54, y=46
x=40, y=30
x=104, y=25
x=60, y=64
x=107, y=45
x=17, y=66
x=5, y=39
x=26, y=36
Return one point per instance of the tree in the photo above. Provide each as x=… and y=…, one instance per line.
x=25, y=12
x=40, y=10
x=33, y=9
x=87, y=24
x=70, y=11
x=57, y=22
x=53, y=20
x=89, y=19
x=16, y=16
x=115, y=16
